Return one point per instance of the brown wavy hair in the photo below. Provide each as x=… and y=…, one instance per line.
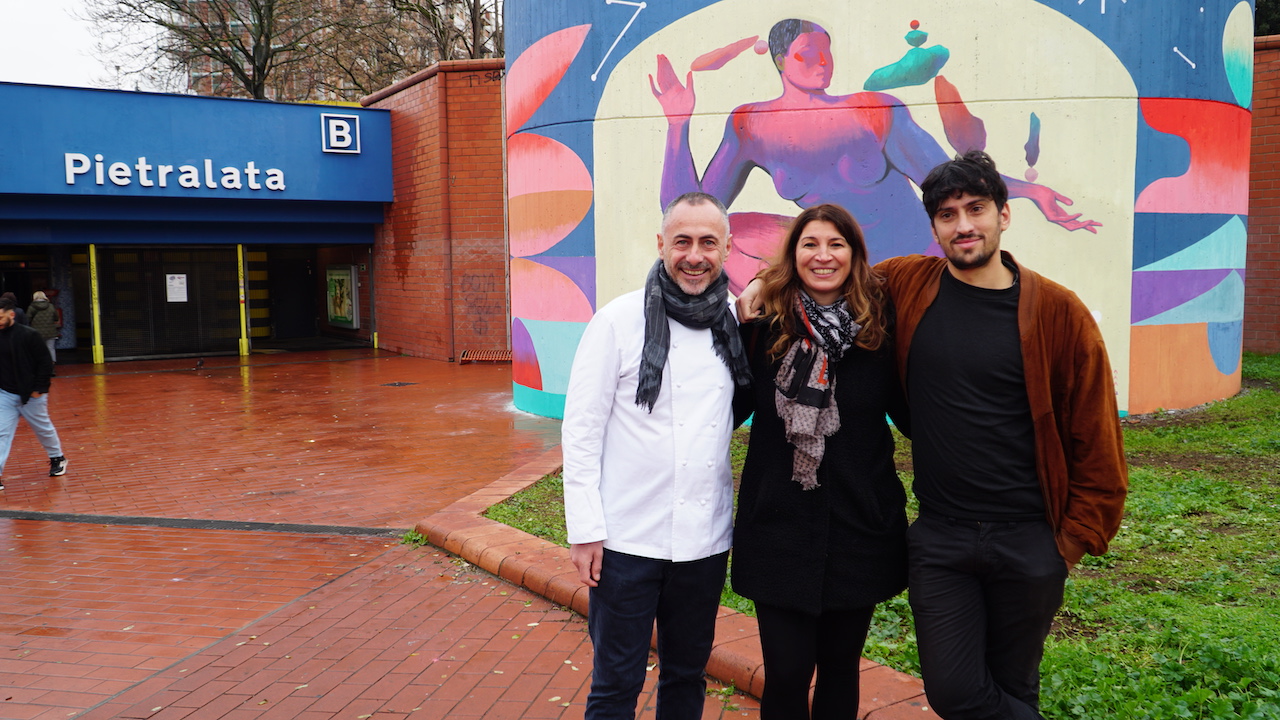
x=863, y=289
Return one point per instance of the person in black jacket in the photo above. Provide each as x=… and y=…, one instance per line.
x=18, y=315
x=820, y=536
x=25, y=373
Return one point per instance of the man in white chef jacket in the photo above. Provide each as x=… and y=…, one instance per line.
x=648, y=494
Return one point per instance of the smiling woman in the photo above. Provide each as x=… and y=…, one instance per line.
x=822, y=261
x=819, y=473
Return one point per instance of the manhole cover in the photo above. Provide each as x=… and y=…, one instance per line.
x=397, y=384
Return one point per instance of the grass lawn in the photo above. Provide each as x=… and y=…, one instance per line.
x=1181, y=619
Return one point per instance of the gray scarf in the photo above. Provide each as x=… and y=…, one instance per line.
x=663, y=298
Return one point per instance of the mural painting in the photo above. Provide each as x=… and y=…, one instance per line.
x=1122, y=130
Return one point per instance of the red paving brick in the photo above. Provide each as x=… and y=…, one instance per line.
x=162, y=600
x=432, y=670
x=147, y=621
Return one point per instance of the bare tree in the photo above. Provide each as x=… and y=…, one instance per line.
x=379, y=46
x=1266, y=17
x=459, y=28
x=243, y=47
x=289, y=49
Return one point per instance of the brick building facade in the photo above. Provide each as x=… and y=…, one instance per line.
x=440, y=258
x=1262, y=282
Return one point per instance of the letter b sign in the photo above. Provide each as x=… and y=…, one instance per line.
x=341, y=133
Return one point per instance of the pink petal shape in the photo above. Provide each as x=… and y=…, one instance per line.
x=540, y=293
x=741, y=269
x=549, y=190
x=758, y=234
x=756, y=237
x=533, y=75
x=539, y=164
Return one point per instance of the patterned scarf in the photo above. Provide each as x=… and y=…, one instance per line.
x=663, y=298
x=805, y=384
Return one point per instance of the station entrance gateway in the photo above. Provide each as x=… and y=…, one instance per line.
x=215, y=226
x=165, y=302
x=185, y=301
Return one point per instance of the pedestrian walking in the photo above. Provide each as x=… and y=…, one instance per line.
x=43, y=317
x=26, y=369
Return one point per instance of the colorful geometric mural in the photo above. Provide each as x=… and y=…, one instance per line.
x=1122, y=129
x=549, y=192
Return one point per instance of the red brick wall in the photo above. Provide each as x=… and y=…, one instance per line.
x=440, y=258
x=1262, y=276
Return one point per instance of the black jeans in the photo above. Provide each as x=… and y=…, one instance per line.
x=634, y=591
x=984, y=596
x=794, y=643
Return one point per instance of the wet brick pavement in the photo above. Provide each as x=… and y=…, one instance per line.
x=315, y=438
x=126, y=592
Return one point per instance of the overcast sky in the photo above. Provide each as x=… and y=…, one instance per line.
x=40, y=42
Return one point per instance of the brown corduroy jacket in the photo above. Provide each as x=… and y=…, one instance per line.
x=1079, y=450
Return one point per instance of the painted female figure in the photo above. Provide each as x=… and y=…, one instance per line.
x=861, y=151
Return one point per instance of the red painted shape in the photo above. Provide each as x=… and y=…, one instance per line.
x=550, y=192
x=537, y=71
x=525, y=369
x=1217, y=180
x=964, y=131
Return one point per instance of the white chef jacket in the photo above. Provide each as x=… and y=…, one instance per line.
x=658, y=484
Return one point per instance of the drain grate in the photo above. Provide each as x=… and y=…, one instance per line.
x=398, y=384
x=496, y=356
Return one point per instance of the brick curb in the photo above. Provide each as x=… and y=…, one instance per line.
x=544, y=568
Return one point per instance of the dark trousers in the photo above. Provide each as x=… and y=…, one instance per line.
x=634, y=591
x=984, y=596
x=794, y=644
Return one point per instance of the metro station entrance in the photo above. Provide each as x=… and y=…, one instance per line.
x=260, y=239
x=166, y=302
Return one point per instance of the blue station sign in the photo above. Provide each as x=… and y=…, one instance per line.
x=78, y=142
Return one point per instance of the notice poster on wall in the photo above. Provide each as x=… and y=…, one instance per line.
x=340, y=296
x=175, y=286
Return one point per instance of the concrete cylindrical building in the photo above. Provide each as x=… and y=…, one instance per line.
x=1122, y=127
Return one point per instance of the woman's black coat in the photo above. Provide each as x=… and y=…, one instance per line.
x=843, y=544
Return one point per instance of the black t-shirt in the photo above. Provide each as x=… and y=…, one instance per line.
x=973, y=443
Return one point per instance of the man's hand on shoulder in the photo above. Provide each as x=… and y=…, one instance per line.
x=587, y=558
x=750, y=306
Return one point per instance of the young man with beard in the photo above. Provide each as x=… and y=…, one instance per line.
x=648, y=495
x=1019, y=462
x=1018, y=458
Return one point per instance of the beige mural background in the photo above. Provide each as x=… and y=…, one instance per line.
x=1008, y=59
